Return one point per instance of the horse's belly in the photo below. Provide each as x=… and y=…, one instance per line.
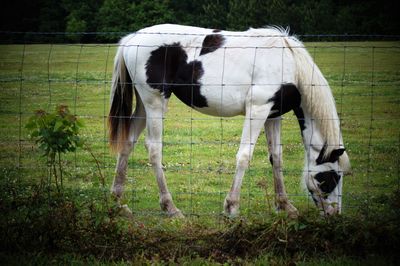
x=224, y=100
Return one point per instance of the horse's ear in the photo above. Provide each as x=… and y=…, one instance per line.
x=335, y=154
x=333, y=157
x=345, y=165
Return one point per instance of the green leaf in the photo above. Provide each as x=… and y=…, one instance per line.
x=80, y=123
x=55, y=132
x=58, y=125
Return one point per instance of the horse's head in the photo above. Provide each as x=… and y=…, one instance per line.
x=324, y=181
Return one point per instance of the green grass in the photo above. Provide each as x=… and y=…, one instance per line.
x=199, y=151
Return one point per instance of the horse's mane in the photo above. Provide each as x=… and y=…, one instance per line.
x=269, y=31
x=317, y=98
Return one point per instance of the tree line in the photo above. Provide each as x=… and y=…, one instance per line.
x=108, y=20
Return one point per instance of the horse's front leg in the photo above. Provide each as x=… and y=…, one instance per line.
x=254, y=121
x=154, y=148
x=273, y=134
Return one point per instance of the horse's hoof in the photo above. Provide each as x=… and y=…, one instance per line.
x=177, y=214
x=124, y=211
x=231, y=216
x=230, y=212
x=292, y=212
x=231, y=208
x=293, y=215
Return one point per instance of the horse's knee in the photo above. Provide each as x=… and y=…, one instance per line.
x=243, y=160
x=276, y=162
x=275, y=158
x=154, y=151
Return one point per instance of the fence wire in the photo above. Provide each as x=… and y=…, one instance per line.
x=199, y=151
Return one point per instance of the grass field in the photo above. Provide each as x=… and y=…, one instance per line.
x=199, y=151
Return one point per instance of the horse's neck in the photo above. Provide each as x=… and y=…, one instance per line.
x=313, y=138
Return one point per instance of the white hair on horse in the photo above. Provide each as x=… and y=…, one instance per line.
x=259, y=73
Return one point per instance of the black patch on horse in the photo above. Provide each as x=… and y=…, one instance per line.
x=167, y=70
x=285, y=99
x=211, y=43
x=327, y=181
x=216, y=30
x=333, y=157
x=300, y=118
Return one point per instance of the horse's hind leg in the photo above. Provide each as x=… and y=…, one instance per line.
x=273, y=134
x=154, y=148
x=138, y=123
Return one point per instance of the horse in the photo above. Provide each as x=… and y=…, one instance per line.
x=260, y=74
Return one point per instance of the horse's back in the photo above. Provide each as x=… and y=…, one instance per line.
x=228, y=64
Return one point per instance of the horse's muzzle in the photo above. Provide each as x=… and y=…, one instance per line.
x=330, y=210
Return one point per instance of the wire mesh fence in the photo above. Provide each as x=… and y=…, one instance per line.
x=199, y=150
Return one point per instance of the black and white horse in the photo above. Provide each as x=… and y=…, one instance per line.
x=259, y=73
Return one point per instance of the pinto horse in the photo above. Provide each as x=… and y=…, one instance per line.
x=260, y=73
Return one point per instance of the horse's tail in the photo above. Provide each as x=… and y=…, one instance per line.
x=121, y=98
x=317, y=99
